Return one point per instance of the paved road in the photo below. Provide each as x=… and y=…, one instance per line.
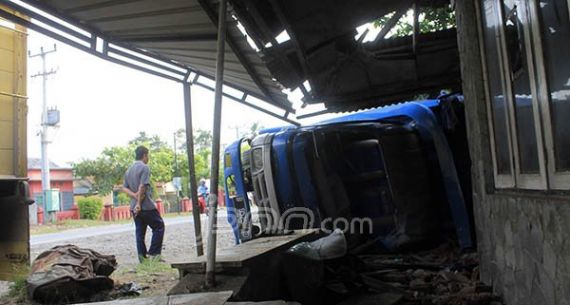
x=109, y=229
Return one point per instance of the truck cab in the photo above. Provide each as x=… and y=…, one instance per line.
x=385, y=174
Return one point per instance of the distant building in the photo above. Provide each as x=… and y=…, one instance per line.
x=61, y=179
x=82, y=187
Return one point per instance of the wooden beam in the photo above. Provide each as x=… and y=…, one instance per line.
x=192, y=169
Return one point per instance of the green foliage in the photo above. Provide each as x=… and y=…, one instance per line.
x=202, y=140
x=250, y=131
x=153, y=143
x=430, y=20
x=438, y=19
x=17, y=290
x=90, y=207
x=108, y=169
x=123, y=199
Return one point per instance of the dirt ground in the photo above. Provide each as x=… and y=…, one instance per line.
x=178, y=245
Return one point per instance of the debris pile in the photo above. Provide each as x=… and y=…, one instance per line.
x=69, y=274
x=441, y=276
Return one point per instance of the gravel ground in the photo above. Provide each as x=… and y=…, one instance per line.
x=178, y=243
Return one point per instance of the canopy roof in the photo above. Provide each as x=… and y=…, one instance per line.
x=179, y=32
x=177, y=39
x=343, y=72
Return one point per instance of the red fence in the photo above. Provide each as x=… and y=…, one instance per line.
x=64, y=215
x=111, y=213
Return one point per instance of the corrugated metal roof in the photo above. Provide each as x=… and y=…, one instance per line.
x=36, y=163
x=180, y=30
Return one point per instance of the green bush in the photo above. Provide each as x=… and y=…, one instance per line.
x=90, y=207
x=123, y=199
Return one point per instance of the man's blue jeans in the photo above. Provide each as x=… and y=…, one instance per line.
x=152, y=219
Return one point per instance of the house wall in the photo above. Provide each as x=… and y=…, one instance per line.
x=523, y=247
x=61, y=179
x=521, y=235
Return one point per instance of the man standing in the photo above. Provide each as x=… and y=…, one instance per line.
x=145, y=213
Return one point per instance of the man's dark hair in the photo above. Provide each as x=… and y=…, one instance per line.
x=140, y=152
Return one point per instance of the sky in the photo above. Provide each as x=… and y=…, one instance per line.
x=103, y=104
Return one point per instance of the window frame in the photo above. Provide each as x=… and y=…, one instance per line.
x=501, y=180
x=525, y=181
x=557, y=180
x=516, y=178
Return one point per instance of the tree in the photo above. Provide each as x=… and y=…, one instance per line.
x=430, y=20
x=108, y=169
x=203, y=140
x=254, y=129
x=153, y=142
x=202, y=152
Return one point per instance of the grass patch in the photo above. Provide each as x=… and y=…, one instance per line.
x=152, y=266
x=17, y=290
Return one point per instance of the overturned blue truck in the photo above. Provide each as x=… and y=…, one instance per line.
x=395, y=176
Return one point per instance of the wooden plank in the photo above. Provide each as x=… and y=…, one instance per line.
x=210, y=298
x=206, y=298
x=236, y=256
x=7, y=62
x=6, y=41
x=161, y=300
x=6, y=106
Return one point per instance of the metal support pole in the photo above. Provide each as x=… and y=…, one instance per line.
x=192, y=170
x=213, y=198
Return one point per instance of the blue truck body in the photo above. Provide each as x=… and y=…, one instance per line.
x=349, y=166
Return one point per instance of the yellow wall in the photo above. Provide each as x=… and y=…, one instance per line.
x=14, y=222
x=13, y=108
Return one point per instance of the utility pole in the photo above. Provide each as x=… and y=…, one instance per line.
x=175, y=158
x=46, y=184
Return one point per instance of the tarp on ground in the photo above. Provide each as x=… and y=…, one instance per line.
x=68, y=273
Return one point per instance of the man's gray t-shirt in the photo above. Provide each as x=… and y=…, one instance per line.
x=138, y=174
